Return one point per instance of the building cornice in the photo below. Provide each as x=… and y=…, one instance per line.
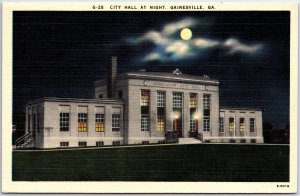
x=241, y=108
x=168, y=78
x=76, y=100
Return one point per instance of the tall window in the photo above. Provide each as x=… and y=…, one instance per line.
x=99, y=122
x=231, y=125
x=193, y=100
x=144, y=123
x=145, y=102
x=177, y=100
x=252, y=123
x=177, y=113
x=206, y=112
x=160, y=123
x=116, y=122
x=145, y=97
x=193, y=113
x=64, y=121
x=82, y=122
x=221, y=124
x=242, y=124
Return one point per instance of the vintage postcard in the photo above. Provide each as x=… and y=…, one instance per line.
x=149, y=97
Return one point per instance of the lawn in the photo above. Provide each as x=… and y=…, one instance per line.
x=203, y=162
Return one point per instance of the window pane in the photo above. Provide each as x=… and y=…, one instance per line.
x=115, y=122
x=160, y=123
x=64, y=121
x=231, y=125
x=99, y=122
x=252, y=122
x=160, y=99
x=82, y=122
x=242, y=124
x=144, y=122
x=177, y=100
x=145, y=97
x=221, y=124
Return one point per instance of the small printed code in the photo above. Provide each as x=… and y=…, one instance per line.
x=283, y=185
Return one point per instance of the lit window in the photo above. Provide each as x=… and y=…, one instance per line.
x=242, y=124
x=177, y=100
x=193, y=113
x=82, y=122
x=160, y=123
x=99, y=122
x=252, y=122
x=116, y=122
x=64, y=119
x=231, y=125
x=145, y=97
x=193, y=100
x=221, y=125
x=144, y=122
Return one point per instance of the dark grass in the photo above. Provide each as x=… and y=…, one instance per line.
x=204, y=162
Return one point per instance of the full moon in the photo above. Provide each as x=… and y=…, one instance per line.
x=186, y=34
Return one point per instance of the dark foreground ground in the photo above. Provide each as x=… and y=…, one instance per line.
x=203, y=162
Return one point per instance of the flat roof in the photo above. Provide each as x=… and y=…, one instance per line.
x=180, y=77
x=76, y=100
x=241, y=108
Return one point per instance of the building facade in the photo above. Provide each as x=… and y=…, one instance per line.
x=140, y=108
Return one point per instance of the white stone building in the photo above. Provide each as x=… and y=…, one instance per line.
x=140, y=108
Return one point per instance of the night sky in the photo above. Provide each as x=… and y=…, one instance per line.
x=61, y=54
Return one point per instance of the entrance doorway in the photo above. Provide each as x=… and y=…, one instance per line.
x=177, y=122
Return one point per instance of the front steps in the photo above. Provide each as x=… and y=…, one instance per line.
x=188, y=140
x=26, y=141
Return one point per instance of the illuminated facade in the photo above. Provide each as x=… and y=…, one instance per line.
x=140, y=108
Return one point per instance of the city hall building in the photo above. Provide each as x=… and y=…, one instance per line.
x=140, y=107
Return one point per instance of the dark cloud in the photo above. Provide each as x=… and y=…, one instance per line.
x=170, y=48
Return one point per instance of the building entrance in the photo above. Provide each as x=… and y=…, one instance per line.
x=177, y=121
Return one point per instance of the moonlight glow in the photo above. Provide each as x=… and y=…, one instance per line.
x=186, y=34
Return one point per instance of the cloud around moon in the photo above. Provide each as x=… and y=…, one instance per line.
x=168, y=48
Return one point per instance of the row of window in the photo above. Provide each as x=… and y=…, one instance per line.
x=177, y=111
x=64, y=122
x=84, y=144
x=232, y=125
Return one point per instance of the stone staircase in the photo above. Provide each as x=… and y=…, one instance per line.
x=26, y=141
x=189, y=140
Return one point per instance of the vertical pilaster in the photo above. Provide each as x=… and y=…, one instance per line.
x=200, y=112
x=108, y=121
x=91, y=121
x=152, y=114
x=169, y=108
x=186, y=114
x=73, y=130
